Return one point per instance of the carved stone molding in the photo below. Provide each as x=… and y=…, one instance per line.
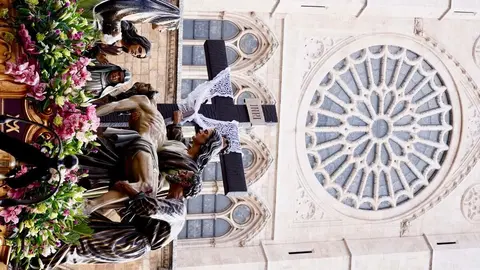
x=458, y=80
x=262, y=157
x=418, y=27
x=476, y=52
x=240, y=233
x=315, y=48
x=247, y=24
x=470, y=204
x=471, y=157
x=173, y=68
x=252, y=83
x=306, y=210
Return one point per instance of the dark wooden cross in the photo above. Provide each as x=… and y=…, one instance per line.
x=223, y=109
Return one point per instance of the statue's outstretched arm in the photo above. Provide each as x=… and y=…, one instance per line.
x=131, y=103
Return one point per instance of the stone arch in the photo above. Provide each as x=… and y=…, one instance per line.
x=245, y=217
x=261, y=157
x=243, y=86
x=251, y=87
x=251, y=30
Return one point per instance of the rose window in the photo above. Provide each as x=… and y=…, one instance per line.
x=378, y=127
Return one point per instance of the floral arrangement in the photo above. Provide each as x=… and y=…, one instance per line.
x=39, y=230
x=53, y=35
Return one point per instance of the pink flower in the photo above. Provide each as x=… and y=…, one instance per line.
x=33, y=185
x=38, y=91
x=23, y=170
x=16, y=193
x=10, y=214
x=78, y=72
x=66, y=212
x=25, y=73
x=92, y=117
x=78, y=36
x=26, y=40
x=75, y=123
x=71, y=176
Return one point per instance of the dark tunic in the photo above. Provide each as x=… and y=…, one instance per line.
x=111, y=12
x=146, y=223
x=140, y=11
x=136, y=235
x=107, y=166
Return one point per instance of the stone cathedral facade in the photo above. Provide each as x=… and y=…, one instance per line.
x=373, y=164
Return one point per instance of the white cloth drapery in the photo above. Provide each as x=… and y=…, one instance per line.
x=220, y=86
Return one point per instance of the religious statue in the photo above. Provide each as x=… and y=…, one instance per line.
x=108, y=15
x=146, y=224
x=160, y=13
x=148, y=221
x=106, y=79
x=130, y=42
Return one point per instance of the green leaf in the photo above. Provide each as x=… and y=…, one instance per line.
x=71, y=238
x=46, y=104
x=83, y=229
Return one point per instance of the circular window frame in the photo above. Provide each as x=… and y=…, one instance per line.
x=315, y=77
x=248, y=220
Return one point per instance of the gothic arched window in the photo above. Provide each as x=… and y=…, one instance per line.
x=201, y=222
x=215, y=220
x=242, y=88
x=249, y=45
x=249, y=42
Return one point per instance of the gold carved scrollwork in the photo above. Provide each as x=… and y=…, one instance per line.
x=34, y=131
x=9, y=51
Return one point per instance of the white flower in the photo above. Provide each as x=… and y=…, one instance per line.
x=81, y=136
x=47, y=250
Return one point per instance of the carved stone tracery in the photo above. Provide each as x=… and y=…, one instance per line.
x=241, y=232
x=460, y=169
x=470, y=204
x=262, y=157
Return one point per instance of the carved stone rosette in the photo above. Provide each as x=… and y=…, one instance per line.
x=471, y=204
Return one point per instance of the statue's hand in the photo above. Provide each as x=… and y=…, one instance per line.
x=102, y=59
x=146, y=188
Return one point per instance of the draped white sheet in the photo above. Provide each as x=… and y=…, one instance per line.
x=220, y=86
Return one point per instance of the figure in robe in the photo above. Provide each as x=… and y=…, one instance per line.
x=174, y=154
x=107, y=14
x=130, y=42
x=146, y=224
x=106, y=80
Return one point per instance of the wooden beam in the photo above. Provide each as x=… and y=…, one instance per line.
x=232, y=164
